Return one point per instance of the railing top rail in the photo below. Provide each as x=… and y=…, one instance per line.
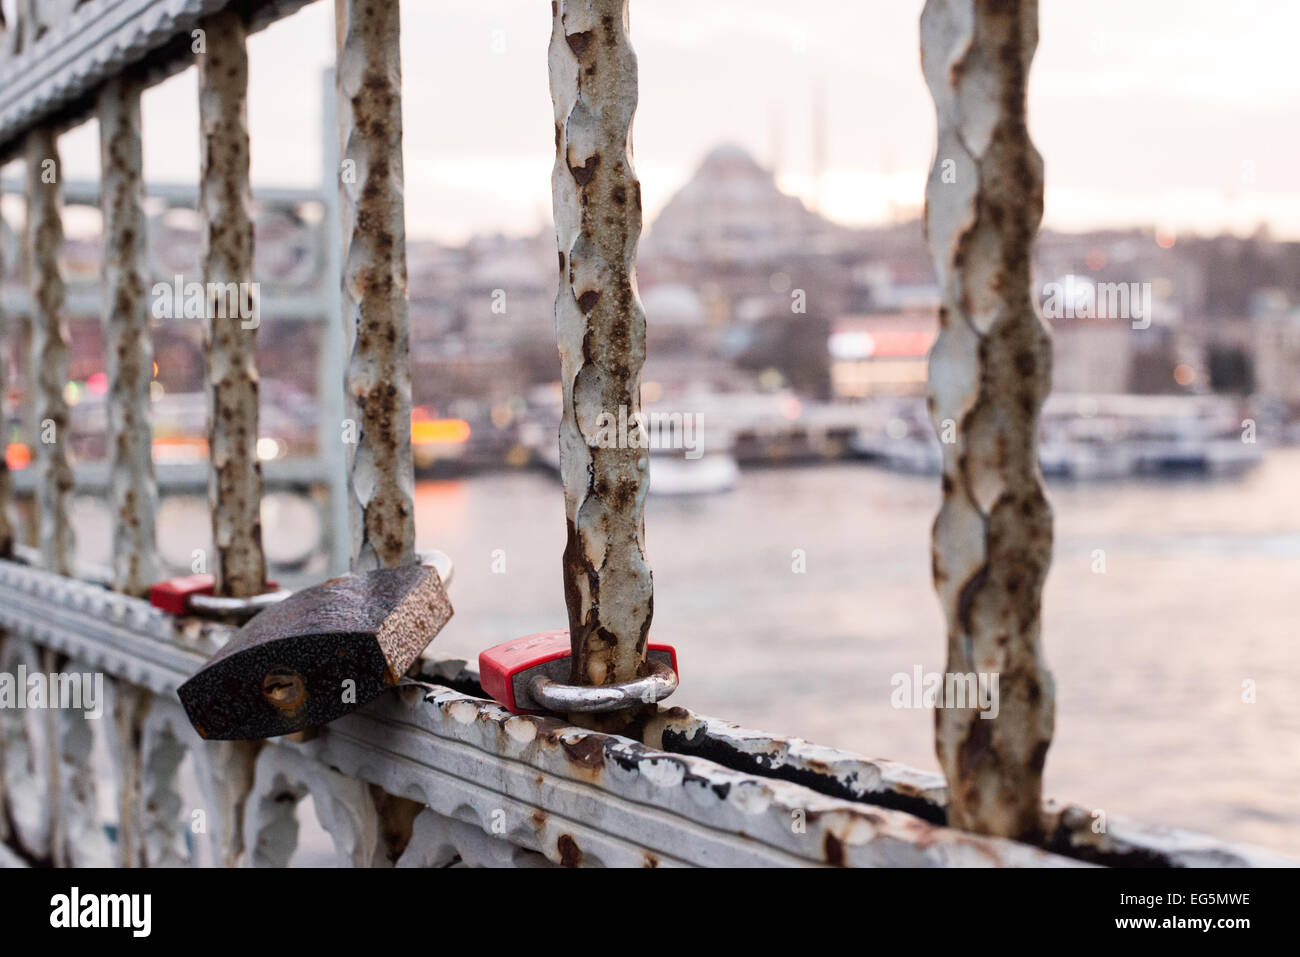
x=55, y=55
x=691, y=790
x=87, y=192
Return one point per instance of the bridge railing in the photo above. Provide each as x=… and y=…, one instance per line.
x=298, y=292
x=434, y=773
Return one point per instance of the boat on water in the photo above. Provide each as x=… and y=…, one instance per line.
x=1090, y=437
x=672, y=472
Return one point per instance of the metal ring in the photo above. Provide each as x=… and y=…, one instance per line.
x=554, y=696
x=440, y=561
x=240, y=608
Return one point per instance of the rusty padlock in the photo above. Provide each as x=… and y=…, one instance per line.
x=317, y=655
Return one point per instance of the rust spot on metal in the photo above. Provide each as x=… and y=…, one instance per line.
x=1039, y=757
x=833, y=850
x=974, y=747
x=570, y=853
x=587, y=751
x=578, y=42
x=584, y=174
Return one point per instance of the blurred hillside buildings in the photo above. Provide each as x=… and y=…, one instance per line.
x=745, y=289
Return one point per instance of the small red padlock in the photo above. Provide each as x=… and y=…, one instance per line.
x=174, y=595
x=517, y=673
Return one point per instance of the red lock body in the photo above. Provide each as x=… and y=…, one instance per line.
x=506, y=668
x=173, y=595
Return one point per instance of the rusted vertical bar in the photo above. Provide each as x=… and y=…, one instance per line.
x=378, y=380
x=130, y=348
x=49, y=349
x=6, y=480
x=51, y=663
x=230, y=340
x=6, y=485
x=129, y=706
x=990, y=371
x=6, y=496
x=601, y=331
x=330, y=362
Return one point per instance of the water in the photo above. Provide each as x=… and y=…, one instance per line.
x=1198, y=595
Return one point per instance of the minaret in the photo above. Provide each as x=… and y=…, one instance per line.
x=776, y=131
x=818, y=144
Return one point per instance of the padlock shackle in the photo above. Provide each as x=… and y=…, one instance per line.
x=219, y=606
x=552, y=695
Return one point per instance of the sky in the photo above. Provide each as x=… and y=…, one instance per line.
x=1179, y=114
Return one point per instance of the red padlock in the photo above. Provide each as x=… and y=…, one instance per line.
x=175, y=595
x=516, y=673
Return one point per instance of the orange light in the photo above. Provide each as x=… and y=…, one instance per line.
x=1165, y=238
x=18, y=456
x=179, y=449
x=1184, y=375
x=439, y=431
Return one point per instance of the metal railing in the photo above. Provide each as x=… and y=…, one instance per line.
x=433, y=773
x=307, y=297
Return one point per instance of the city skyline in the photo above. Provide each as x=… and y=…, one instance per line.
x=1119, y=113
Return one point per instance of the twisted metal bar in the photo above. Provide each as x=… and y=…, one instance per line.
x=130, y=707
x=49, y=349
x=230, y=341
x=6, y=480
x=601, y=331
x=133, y=493
x=381, y=482
x=989, y=374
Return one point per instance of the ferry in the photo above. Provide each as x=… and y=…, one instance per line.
x=672, y=472
x=1089, y=437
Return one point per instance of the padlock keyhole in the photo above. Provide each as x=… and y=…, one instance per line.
x=284, y=688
